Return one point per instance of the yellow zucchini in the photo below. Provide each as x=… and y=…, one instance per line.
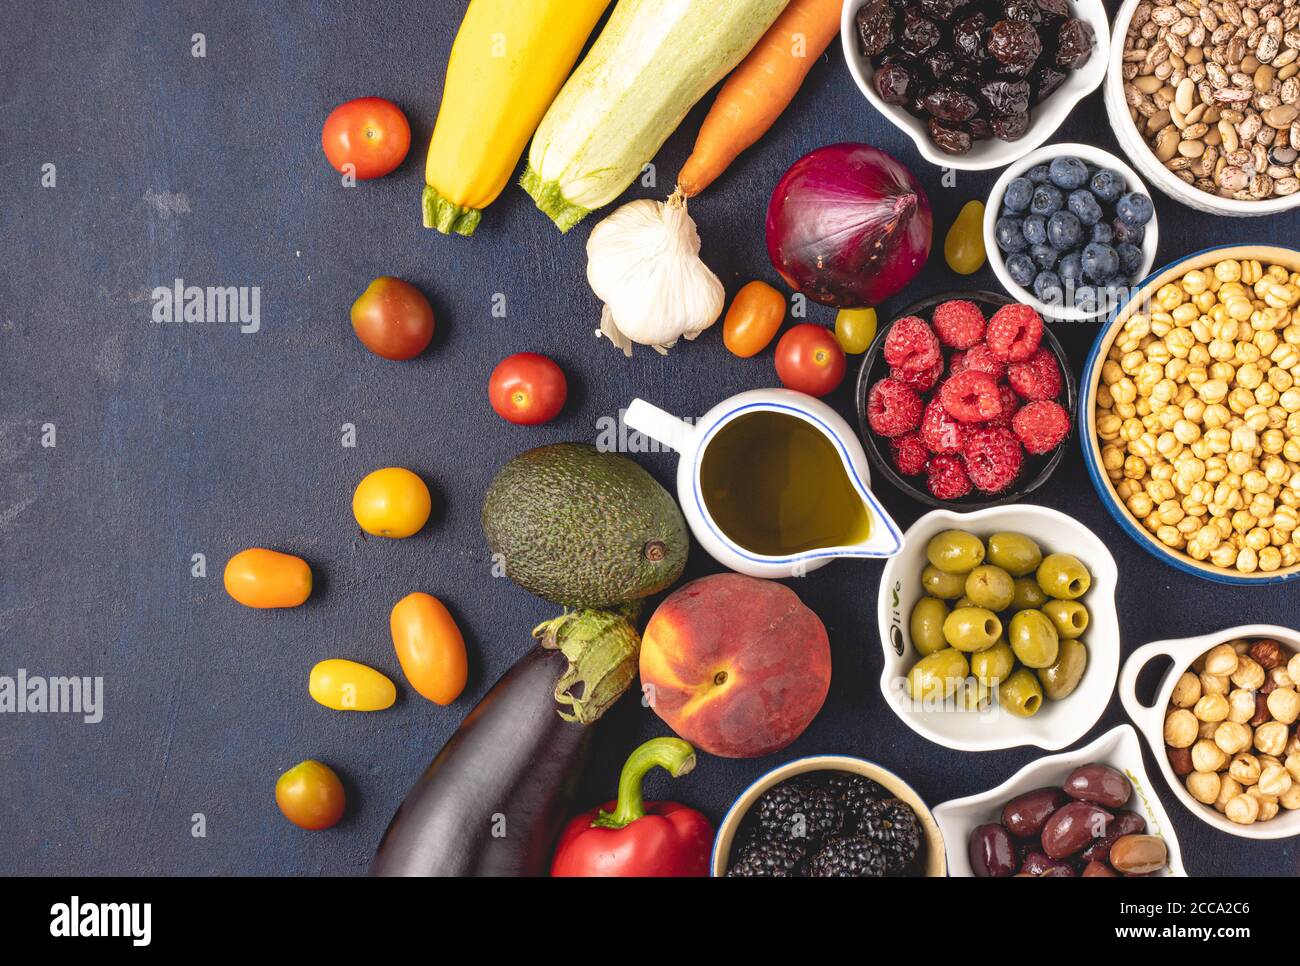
x=507, y=64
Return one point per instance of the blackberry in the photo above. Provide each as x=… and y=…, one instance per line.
x=849, y=856
x=853, y=792
x=768, y=860
x=797, y=811
x=892, y=825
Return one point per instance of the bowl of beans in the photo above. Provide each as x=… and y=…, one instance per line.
x=1189, y=414
x=1223, y=725
x=1207, y=105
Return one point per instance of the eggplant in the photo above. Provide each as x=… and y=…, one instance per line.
x=493, y=800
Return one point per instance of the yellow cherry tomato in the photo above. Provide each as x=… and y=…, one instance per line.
x=429, y=647
x=964, y=246
x=311, y=796
x=755, y=315
x=265, y=578
x=391, y=502
x=349, y=686
x=854, y=329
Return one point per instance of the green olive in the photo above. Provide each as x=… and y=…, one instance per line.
x=1027, y=594
x=1069, y=616
x=972, y=628
x=993, y=666
x=990, y=587
x=955, y=551
x=974, y=696
x=926, y=625
x=1060, y=680
x=937, y=676
x=1033, y=638
x=936, y=583
x=1015, y=553
x=1021, y=694
x=1063, y=576
x=963, y=601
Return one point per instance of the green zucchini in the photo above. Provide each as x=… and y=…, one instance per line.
x=651, y=63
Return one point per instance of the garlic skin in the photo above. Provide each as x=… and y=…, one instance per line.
x=643, y=262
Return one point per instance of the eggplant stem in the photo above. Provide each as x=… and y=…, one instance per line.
x=672, y=754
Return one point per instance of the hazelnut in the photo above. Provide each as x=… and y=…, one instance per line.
x=1203, y=786
x=1293, y=667
x=1274, y=780
x=1181, y=729
x=1262, y=714
x=1292, y=765
x=1249, y=674
x=1229, y=788
x=1280, y=678
x=1243, y=810
x=1290, y=799
x=1242, y=705
x=1180, y=760
x=1240, y=646
x=1268, y=654
x=1270, y=737
x=1187, y=691
x=1221, y=661
x=1211, y=707
x=1284, y=705
x=1232, y=737
x=1215, y=683
x=1207, y=756
x=1245, y=768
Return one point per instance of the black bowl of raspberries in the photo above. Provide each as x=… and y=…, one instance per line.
x=828, y=823
x=966, y=400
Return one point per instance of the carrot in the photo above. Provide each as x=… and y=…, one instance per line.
x=758, y=90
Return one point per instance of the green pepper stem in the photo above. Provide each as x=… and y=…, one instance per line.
x=672, y=754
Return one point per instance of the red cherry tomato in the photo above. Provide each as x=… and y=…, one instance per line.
x=809, y=359
x=527, y=388
x=392, y=318
x=369, y=133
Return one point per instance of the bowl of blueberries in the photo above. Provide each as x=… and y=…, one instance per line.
x=1070, y=229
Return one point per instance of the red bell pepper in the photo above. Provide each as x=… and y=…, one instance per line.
x=635, y=838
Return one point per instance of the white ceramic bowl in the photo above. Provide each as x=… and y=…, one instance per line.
x=1136, y=149
x=992, y=152
x=1058, y=723
x=1151, y=719
x=1118, y=748
x=1044, y=155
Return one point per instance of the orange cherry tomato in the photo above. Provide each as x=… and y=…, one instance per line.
x=392, y=502
x=429, y=647
x=755, y=315
x=369, y=133
x=809, y=359
x=265, y=578
x=393, y=319
x=527, y=388
x=311, y=796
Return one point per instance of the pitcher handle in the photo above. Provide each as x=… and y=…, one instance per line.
x=663, y=427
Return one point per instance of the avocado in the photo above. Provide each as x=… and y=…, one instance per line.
x=584, y=528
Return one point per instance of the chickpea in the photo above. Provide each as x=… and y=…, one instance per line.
x=1270, y=737
x=1232, y=737
x=1204, y=786
x=1284, y=705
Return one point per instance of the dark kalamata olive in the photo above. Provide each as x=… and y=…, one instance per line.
x=1061, y=871
x=1099, y=784
x=1025, y=815
x=1095, y=870
x=1138, y=854
x=1037, y=863
x=1126, y=823
x=1072, y=828
x=992, y=853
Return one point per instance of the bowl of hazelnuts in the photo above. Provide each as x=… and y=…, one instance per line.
x=1223, y=725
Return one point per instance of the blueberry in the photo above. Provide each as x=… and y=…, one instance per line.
x=1021, y=268
x=1085, y=206
x=1048, y=288
x=1125, y=232
x=1018, y=194
x=1046, y=200
x=1099, y=262
x=1085, y=297
x=1134, y=209
x=1067, y=173
x=1107, y=185
x=1044, y=255
x=1035, y=229
x=1130, y=258
x=1064, y=230
x=1102, y=232
x=1009, y=235
x=1070, y=268
x=1037, y=174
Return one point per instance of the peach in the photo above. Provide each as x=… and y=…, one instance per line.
x=735, y=665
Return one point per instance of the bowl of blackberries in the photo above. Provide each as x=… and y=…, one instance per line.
x=829, y=816
x=1070, y=229
x=976, y=83
x=966, y=400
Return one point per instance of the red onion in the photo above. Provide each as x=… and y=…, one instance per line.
x=848, y=225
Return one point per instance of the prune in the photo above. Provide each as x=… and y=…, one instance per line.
x=1015, y=45
x=979, y=128
x=875, y=21
x=1026, y=10
x=1006, y=96
x=893, y=83
x=1012, y=127
x=1054, y=8
x=1046, y=80
x=949, y=139
x=950, y=104
x=942, y=9
x=919, y=33
x=1075, y=41
x=939, y=63
x=968, y=39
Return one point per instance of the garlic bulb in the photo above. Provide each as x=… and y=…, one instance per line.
x=643, y=262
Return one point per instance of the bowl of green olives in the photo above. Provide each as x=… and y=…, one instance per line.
x=999, y=628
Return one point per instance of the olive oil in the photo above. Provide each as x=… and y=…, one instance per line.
x=776, y=486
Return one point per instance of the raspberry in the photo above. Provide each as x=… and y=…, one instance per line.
x=959, y=323
x=939, y=431
x=980, y=358
x=1038, y=377
x=1014, y=332
x=892, y=408
x=956, y=363
x=1010, y=404
x=908, y=338
x=947, y=479
x=918, y=372
x=910, y=454
x=1041, y=425
x=971, y=397
x=993, y=458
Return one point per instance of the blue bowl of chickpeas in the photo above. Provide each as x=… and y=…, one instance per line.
x=1189, y=414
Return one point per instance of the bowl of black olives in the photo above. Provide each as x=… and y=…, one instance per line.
x=976, y=84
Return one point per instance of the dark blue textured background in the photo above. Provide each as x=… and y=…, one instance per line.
x=176, y=439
